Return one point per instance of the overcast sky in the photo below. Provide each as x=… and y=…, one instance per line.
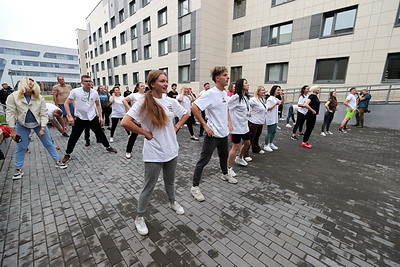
x=47, y=22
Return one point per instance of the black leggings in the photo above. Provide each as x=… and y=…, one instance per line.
x=301, y=118
x=106, y=112
x=131, y=142
x=114, y=123
x=189, y=122
x=328, y=117
x=310, y=123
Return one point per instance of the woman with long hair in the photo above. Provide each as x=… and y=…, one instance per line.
x=128, y=101
x=272, y=117
x=104, y=96
x=239, y=112
x=331, y=107
x=26, y=111
x=301, y=112
x=118, y=111
x=312, y=105
x=155, y=113
x=231, y=89
x=185, y=98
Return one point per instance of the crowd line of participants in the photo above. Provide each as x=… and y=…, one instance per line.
x=224, y=115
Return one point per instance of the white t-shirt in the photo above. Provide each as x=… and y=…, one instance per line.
x=239, y=112
x=215, y=104
x=272, y=115
x=352, y=101
x=163, y=146
x=50, y=110
x=135, y=97
x=202, y=92
x=302, y=101
x=186, y=103
x=118, y=108
x=258, y=109
x=85, y=108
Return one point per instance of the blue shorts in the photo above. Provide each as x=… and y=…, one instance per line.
x=71, y=109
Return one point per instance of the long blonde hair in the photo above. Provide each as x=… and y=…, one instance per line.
x=154, y=111
x=259, y=88
x=25, y=83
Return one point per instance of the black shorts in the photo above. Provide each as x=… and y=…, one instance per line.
x=236, y=138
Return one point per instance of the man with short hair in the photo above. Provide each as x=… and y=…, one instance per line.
x=173, y=93
x=56, y=118
x=87, y=102
x=60, y=93
x=362, y=107
x=215, y=103
x=351, y=103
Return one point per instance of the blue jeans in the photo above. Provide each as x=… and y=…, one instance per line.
x=23, y=145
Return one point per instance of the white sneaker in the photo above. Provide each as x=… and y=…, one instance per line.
x=267, y=148
x=281, y=119
x=196, y=193
x=60, y=164
x=288, y=125
x=248, y=159
x=323, y=134
x=274, y=147
x=193, y=137
x=128, y=155
x=240, y=161
x=329, y=132
x=141, y=226
x=111, y=140
x=261, y=152
x=228, y=178
x=177, y=208
x=277, y=127
x=231, y=172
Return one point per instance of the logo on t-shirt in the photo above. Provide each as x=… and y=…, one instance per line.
x=223, y=100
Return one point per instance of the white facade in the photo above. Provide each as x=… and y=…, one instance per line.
x=285, y=42
x=40, y=62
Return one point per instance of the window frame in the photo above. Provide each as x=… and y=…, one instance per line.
x=106, y=27
x=273, y=2
x=397, y=20
x=146, y=21
x=135, y=55
x=115, y=62
x=385, y=70
x=124, y=79
x=112, y=22
x=182, y=46
x=147, y=52
x=235, y=69
x=135, y=77
x=237, y=9
x=333, y=14
x=181, y=8
x=107, y=46
x=180, y=78
x=121, y=15
x=133, y=30
x=160, y=15
x=122, y=37
x=236, y=48
x=132, y=7
x=145, y=2
x=282, y=65
x=334, y=79
x=123, y=59
x=163, y=42
x=114, y=42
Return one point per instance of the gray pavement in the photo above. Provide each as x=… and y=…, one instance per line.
x=337, y=204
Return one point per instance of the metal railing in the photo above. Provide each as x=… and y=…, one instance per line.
x=381, y=93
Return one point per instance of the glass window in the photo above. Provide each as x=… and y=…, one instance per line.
x=112, y=21
x=95, y=52
x=146, y=25
x=101, y=47
x=236, y=73
x=183, y=8
x=146, y=74
x=109, y=64
x=121, y=15
x=145, y=2
x=238, y=42
x=106, y=27
x=91, y=54
x=135, y=77
x=397, y=23
x=183, y=74
x=281, y=34
x=339, y=22
x=124, y=79
x=28, y=53
x=133, y=32
x=123, y=59
x=110, y=80
x=162, y=17
x=122, y=37
x=132, y=7
x=239, y=9
x=163, y=47
x=278, y=2
x=165, y=70
x=102, y=65
x=107, y=46
x=276, y=73
x=100, y=32
x=135, y=55
x=94, y=37
x=104, y=80
x=115, y=61
x=97, y=67
x=114, y=42
x=392, y=68
x=116, y=79
x=331, y=70
x=184, y=41
x=90, y=40
x=147, y=52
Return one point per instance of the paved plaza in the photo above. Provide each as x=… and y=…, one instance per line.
x=337, y=204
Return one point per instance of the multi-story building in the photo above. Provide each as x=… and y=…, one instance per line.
x=286, y=42
x=41, y=62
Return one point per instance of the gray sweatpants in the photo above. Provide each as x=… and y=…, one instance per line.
x=151, y=172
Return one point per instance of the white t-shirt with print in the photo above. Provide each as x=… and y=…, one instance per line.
x=85, y=108
x=135, y=97
x=163, y=147
x=258, y=109
x=186, y=103
x=352, y=101
x=215, y=104
x=118, y=108
x=272, y=115
x=50, y=110
x=302, y=101
x=239, y=112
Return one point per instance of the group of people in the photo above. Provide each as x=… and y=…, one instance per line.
x=158, y=116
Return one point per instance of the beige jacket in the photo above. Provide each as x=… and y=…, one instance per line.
x=17, y=108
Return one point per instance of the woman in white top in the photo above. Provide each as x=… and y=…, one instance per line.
x=118, y=110
x=239, y=111
x=185, y=98
x=156, y=112
x=128, y=101
x=258, y=109
x=272, y=117
x=301, y=112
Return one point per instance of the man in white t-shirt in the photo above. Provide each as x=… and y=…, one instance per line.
x=215, y=103
x=351, y=103
x=55, y=115
x=87, y=102
x=206, y=87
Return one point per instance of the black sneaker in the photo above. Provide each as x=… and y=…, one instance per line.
x=300, y=133
x=293, y=137
x=66, y=158
x=342, y=130
x=111, y=150
x=65, y=135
